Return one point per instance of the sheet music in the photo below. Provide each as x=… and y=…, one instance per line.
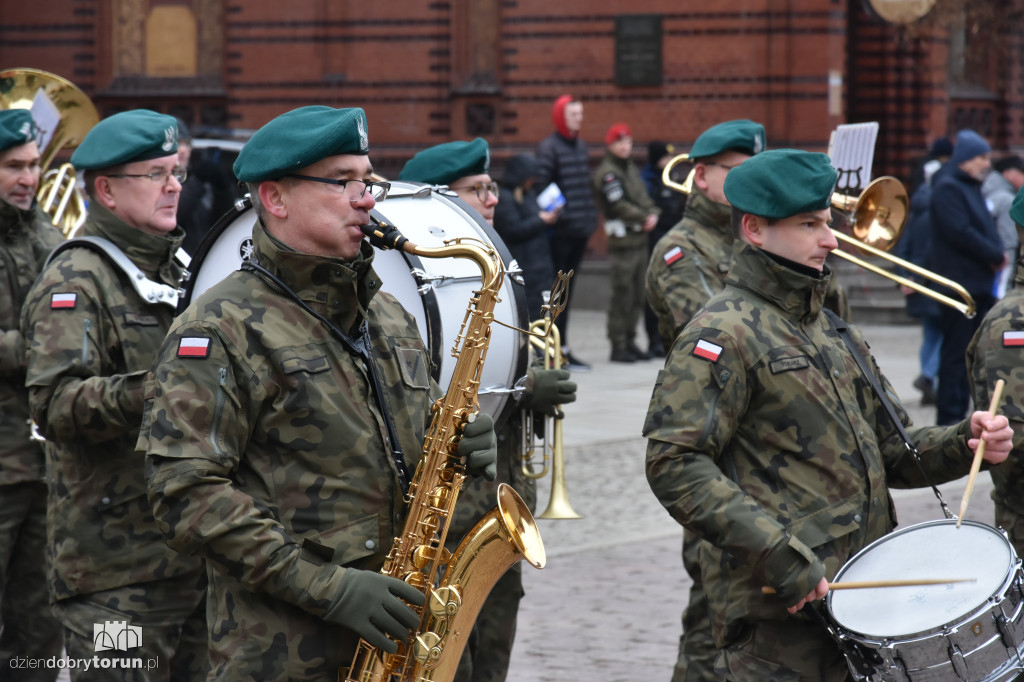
x=852, y=150
x=47, y=117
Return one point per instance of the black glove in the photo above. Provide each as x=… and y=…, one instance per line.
x=479, y=447
x=546, y=389
x=374, y=606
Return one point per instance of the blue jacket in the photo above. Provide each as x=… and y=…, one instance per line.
x=915, y=246
x=966, y=247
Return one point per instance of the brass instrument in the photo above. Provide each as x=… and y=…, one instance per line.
x=58, y=194
x=505, y=535
x=877, y=216
x=544, y=336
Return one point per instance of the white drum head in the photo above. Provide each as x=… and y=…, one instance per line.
x=935, y=549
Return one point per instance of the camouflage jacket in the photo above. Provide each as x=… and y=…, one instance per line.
x=268, y=455
x=621, y=194
x=766, y=440
x=91, y=340
x=997, y=352
x=689, y=264
x=26, y=239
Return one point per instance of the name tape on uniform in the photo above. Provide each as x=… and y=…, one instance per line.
x=193, y=347
x=707, y=350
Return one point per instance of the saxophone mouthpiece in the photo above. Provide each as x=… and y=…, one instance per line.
x=384, y=235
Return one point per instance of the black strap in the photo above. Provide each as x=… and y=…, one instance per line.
x=359, y=347
x=844, y=333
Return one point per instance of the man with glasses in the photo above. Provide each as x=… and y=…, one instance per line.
x=27, y=627
x=287, y=414
x=92, y=324
x=687, y=267
x=464, y=167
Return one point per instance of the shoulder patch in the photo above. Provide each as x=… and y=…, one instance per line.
x=63, y=301
x=193, y=347
x=707, y=350
x=1013, y=339
x=673, y=254
x=609, y=177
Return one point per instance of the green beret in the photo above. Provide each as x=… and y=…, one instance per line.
x=446, y=163
x=136, y=135
x=781, y=183
x=1017, y=208
x=16, y=128
x=300, y=138
x=740, y=135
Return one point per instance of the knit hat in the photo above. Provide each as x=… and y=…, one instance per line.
x=969, y=144
x=941, y=147
x=135, y=135
x=658, y=150
x=616, y=133
x=300, y=138
x=781, y=183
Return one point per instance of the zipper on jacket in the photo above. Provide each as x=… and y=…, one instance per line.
x=85, y=340
x=703, y=279
x=218, y=411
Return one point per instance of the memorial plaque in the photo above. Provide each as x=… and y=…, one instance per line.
x=638, y=49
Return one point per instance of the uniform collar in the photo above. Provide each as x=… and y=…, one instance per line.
x=14, y=221
x=709, y=213
x=785, y=284
x=153, y=254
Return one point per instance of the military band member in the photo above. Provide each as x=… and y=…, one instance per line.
x=767, y=441
x=996, y=352
x=687, y=267
x=465, y=168
x=93, y=323
x=28, y=629
x=274, y=450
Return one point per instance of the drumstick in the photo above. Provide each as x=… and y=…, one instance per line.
x=997, y=395
x=865, y=584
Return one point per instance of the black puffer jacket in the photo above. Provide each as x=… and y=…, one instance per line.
x=517, y=220
x=565, y=162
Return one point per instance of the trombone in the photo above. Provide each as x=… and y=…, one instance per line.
x=544, y=336
x=877, y=217
x=58, y=195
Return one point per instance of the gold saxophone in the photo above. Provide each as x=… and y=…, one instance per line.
x=504, y=535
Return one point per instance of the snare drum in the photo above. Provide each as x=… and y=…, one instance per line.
x=952, y=631
x=436, y=291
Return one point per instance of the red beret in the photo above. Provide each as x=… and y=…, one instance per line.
x=616, y=133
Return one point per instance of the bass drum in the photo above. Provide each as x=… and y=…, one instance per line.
x=436, y=291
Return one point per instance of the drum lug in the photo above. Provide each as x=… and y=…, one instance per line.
x=956, y=657
x=1007, y=632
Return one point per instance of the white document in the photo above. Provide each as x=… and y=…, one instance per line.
x=551, y=198
x=852, y=150
x=46, y=116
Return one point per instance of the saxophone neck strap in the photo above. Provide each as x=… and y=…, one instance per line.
x=359, y=347
x=843, y=330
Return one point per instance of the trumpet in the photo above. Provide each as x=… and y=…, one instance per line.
x=877, y=217
x=545, y=337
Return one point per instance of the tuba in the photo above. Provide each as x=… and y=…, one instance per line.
x=40, y=91
x=544, y=336
x=504, y=536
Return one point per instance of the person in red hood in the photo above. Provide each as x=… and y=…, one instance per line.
x=562, y=159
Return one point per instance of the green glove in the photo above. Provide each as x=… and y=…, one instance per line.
x=479, y=447
x=374, y=606
x=546, y=389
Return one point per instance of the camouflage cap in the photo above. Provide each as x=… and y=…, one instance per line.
x=299, y=138
x=16, y=128
x=781, y=183
x=1017, y=208
x=741, y=135
x=136, y=135
x=446, y=163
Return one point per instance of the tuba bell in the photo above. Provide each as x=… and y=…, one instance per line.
x=42, y=92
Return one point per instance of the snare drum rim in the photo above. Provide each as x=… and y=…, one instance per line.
x=981, y=608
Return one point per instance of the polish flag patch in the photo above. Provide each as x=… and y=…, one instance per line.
x=193, y=347
x=1013, y=339
x=707, y=350
x=673, y=254
x=63, y=301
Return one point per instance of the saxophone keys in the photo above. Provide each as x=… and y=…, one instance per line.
x=427, y=649
x=445, y=602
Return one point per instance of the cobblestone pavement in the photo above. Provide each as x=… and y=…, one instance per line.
x=607, y=606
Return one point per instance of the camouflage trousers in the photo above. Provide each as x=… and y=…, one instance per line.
x=1013, y=524
x=489, y=646
x=626, y=304
x=697, y=649
x=28, y=630
x=792, y=650
x=147, y=632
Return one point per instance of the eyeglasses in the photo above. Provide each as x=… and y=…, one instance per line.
x=159, y=176
x=481, y=189
x=378, y=190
